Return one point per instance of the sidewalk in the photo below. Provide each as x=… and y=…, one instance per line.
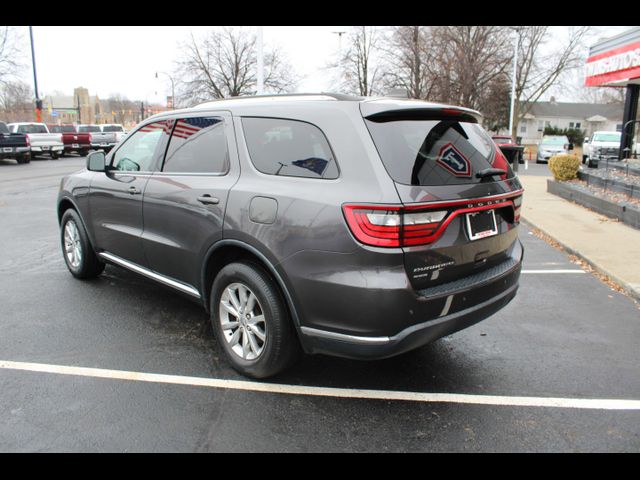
x=610, y=247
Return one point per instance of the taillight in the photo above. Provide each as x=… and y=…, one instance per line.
x=90, y=138
x=419, y=224
x=28, y=141
x=391, y=226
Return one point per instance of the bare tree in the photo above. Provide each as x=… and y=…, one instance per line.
x=224, y=64
x=469, y=60
x=410, y=61
x=358, y=65
x=16, y=101
x=537, y=70
x=10, y=64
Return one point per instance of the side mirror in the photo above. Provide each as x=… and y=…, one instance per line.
x=96, y=161
x=569, y=146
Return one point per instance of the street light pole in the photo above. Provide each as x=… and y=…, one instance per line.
x=35, y=79
x=513, y=82
x=173, y=89
x=260, y=89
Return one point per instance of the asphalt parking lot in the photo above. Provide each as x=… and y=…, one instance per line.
x=121, y=364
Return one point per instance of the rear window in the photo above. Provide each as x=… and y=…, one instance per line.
x=112, y=128
x=68, y=129
x=446, y=151
x=289, y=147
x=89, y=129
x=3, y=128
x=55, y=129
x=33, y=128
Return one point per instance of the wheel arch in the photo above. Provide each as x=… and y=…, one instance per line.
x=226, y=251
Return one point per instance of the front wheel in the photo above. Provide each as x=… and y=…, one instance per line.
x=23, y=159
x=78, y=253
x=55, y=155
x=251, y=321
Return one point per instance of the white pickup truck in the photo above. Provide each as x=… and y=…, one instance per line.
x=602, y=145
x=115, y=128
x=41, y=140
x=99, y=139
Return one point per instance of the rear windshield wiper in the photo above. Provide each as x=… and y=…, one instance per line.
x=490, y=172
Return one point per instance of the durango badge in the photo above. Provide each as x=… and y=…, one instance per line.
x=453, y=161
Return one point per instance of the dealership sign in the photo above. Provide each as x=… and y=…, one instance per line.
x=615, y=66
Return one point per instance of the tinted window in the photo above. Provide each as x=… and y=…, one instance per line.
x=445, y=151
x=112, y=128
x=198, y=145
x=137, y=153
x=3, y=128
x=32, y=128
x=289, y=147
x=55, y=129
x=68, y=129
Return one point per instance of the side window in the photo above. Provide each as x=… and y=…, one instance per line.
x=137, y=153
x=289, y=147
x=198, y=145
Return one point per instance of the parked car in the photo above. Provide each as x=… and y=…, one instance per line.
x=99, y=140
x=510, y=148
x=551, y=145
x=116, y=128
x=74, y=141
x=41, y=140
x=14, y=145
x=602, y=145
x=341, y=225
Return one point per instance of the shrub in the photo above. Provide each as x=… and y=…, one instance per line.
x=564, y=166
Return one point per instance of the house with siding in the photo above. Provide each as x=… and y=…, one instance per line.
x=588, y=117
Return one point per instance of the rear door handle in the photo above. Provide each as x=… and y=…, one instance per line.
x=134, y=191
x=207, y=199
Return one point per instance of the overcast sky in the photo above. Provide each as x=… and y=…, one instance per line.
x=124, y=60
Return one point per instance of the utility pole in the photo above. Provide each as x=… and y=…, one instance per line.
x=260, y=89
x=35, y=79
x=141, y=111
x=339, y=41
x=173, y=89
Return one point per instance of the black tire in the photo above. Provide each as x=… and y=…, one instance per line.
x=55, y=155
x=280, y=347
x=83, y=153
x=23, y=159
x=89, y=265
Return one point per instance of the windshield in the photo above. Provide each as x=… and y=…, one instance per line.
x=561, y=141
x=89, y=128
x=112, y=128
x=607, y=137
x=445, y=151
x=32, y=128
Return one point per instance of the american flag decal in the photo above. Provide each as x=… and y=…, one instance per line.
x=187, y=127
x=164, y=126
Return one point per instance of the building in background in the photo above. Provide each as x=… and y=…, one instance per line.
x=615, y=62
x=588, y=117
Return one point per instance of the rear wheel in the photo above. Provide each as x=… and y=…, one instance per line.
x=55, y=155
x=77, y=250
x=23, y=159
x=251, y=321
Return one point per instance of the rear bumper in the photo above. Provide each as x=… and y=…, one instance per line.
x=47, y=148
x=419, y=317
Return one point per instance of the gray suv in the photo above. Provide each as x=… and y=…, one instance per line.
x=357, y=227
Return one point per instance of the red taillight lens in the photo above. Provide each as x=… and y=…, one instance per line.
x=90, y=138
x=419, y=224
x=28, y=141
x=391, y=226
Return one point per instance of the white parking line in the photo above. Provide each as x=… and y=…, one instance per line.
x=496, y=400
x=554, y=271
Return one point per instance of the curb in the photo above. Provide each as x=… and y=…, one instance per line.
x=631, y=290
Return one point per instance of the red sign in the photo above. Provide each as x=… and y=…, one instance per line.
x=615, y=66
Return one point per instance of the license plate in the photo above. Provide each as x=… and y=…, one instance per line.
x=45, y=148
x=103, y=143
x=7, y=149
x=75, y=145
x=481, y=224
